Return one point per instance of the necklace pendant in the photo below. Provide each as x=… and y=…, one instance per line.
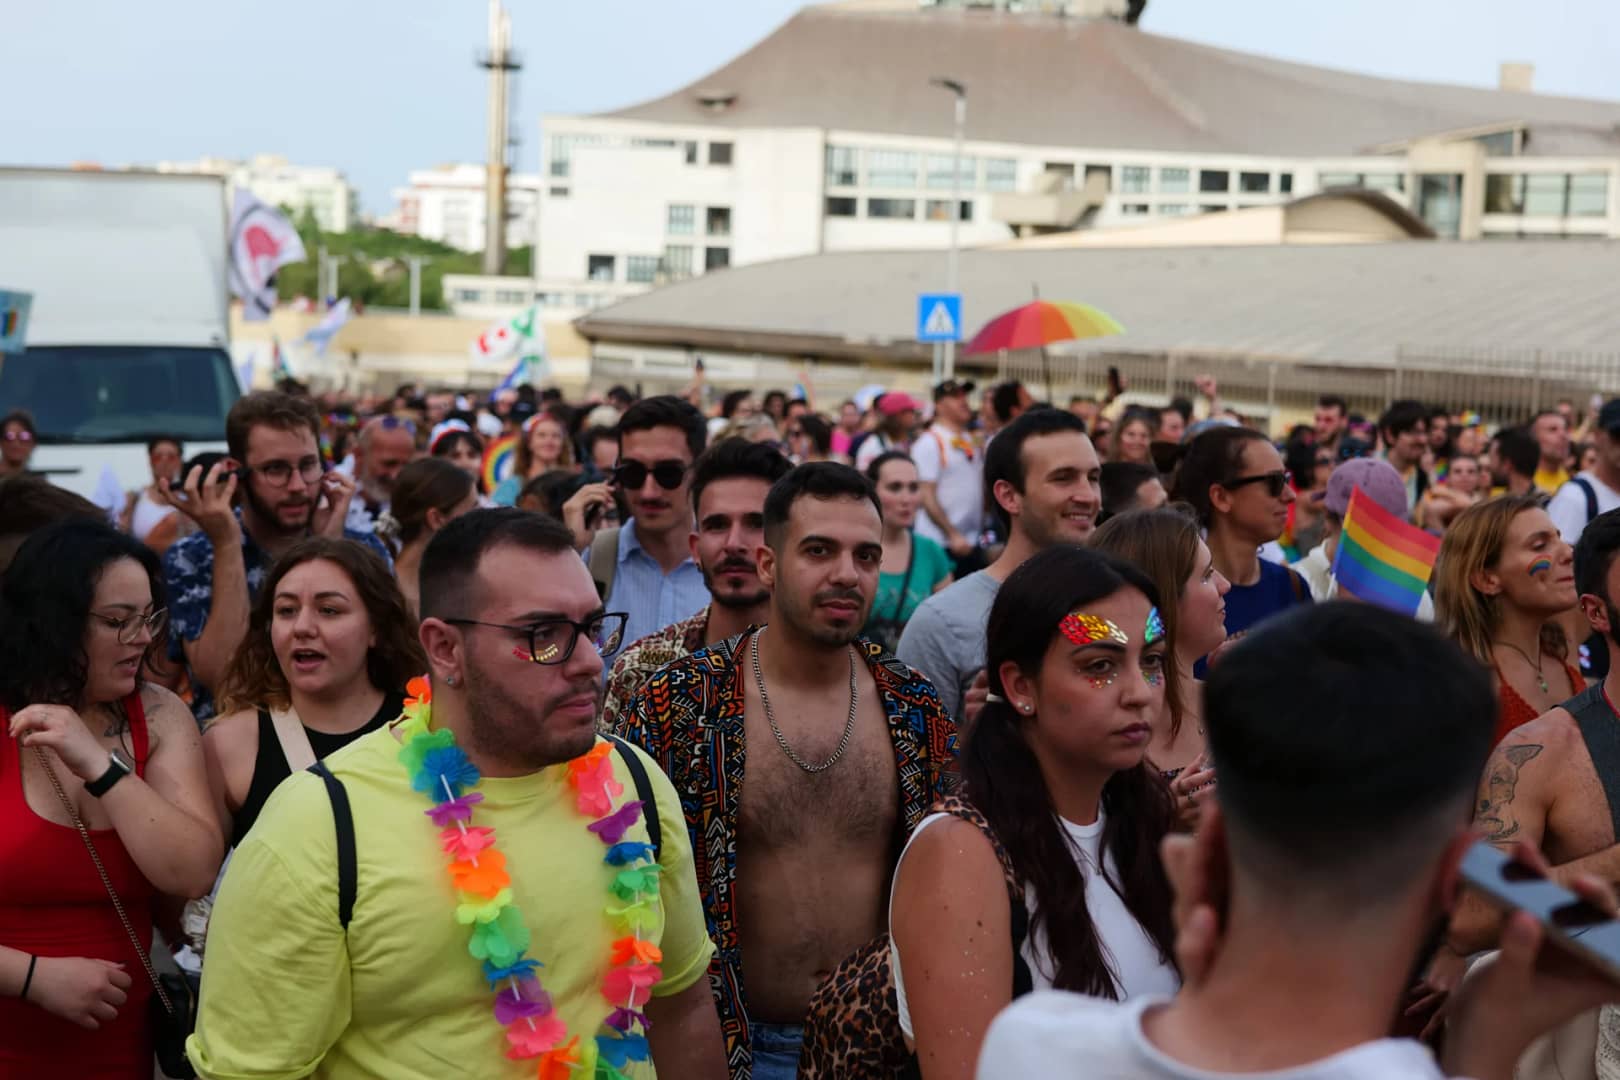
x=1543, y=681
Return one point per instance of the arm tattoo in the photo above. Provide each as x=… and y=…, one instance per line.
x=1501, y=783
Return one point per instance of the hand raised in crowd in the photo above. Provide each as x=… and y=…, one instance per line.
x=1193, y=787
x=577, y=510
x=332, y=504
x=79, y=989
x=1207, y=386
x=207, y=501
x=59, y=728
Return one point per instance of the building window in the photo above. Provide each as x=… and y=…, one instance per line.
x=1547, y=194
x=1439, y=202
x=1254, y=183
x=641, y=269
x=1174, y=209
x=716, y=258
x=600, y=267
x=678, y=260
x=682, y=219
x=1544, y=194
x=558, y=192
x=1499, y=143
x=1104, y=172
x=1133, y=209
x=1285, y=182
x=689, y=150
x=1000, y=174
x=1175, y=181
x=891, y=169
x=717, y=222
x=842, y=206
x=550, y=299
x=940, y=210
x=720, y=153
x=1589, y=195
x=1134, y=179
x=891, y=208
x=510, y=296
x=1211, y=208
x=1384, y=181
x=843, y=166
x=1331, y=180
x=469, y=296
x=1214, y=180
x=558, y=165
x=939, y=169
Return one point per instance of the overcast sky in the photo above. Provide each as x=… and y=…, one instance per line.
x=377, y=89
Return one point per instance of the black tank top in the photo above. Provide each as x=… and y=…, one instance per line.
x=1600, y=729
x=270, y=768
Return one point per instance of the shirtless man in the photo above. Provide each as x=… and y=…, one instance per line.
x=1555, y=782
x=850, y=747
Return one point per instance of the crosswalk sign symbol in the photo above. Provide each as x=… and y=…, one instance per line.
x=939, y=317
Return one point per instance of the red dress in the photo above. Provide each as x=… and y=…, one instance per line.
x=1516, y=711
x=52, y=903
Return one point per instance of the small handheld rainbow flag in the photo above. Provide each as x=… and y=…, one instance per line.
x=1382, y=560
x=499, y=457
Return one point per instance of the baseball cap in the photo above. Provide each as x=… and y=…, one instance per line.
x=1377, y=478
x=896, y=402
x=1608, y=417
x=954, y=386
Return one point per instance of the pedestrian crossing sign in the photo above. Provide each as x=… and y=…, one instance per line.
x=939, y=317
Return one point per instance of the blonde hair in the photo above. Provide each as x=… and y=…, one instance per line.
x=523, y=460
x=1473, y=543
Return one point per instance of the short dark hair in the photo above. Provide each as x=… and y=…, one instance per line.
x=19, y=416
x=1530, y=423
x=735, y=457
x=1004, y=399
x=268, y=408
x=158, y=440
x=1333, y=401
x=729, y=403
x=816, y=480
x=1518, y=448
x=29, y=502
x=665, y=410
x=451, y=560
x=1182, y=405
x=816, y=428
x=874, y=468
x=594, y=435
x=1350, y=742
x=1120, y=482
x=1594, y=555
x=1401, y=417
x=1004, y=460
x=1214, y=457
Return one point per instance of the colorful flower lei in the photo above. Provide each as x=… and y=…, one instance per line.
x=499, y=936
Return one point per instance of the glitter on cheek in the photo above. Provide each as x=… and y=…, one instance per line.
x=1154, y=679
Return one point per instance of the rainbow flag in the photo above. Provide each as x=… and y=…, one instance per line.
x=1381, y=559
x=499, y=457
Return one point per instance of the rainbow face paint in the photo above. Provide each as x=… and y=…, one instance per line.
x=545, y=656
x=1083, y=629
x=1154, y=632
x=1540, y=566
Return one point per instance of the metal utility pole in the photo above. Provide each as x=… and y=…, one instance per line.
x=416, y=285
x=948, y=367
x=498, y=61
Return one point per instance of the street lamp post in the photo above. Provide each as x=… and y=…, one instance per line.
x=948, y=368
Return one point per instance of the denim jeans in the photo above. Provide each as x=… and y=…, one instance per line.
x=776, y=1050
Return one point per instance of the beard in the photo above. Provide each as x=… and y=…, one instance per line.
x=513, y=730
x=735, y=601
x=266, y=513
x=803, y=623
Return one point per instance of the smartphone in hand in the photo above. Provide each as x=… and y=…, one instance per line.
x=1570, y=921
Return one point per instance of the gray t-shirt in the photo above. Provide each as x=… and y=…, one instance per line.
x=1064, y=1036
x=945, y=637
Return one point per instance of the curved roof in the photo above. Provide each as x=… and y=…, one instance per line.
x=1050, y=80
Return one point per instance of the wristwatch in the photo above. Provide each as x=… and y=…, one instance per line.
x=118, y=767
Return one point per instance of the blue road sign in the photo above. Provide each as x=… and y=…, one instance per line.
x=939, y=317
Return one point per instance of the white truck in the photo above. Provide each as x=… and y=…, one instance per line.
x=129, y=334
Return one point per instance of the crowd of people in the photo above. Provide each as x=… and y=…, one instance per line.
x=970, y=738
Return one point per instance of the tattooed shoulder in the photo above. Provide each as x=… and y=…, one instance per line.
x=1495, y=813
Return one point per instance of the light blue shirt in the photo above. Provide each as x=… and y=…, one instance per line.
x=651, y=598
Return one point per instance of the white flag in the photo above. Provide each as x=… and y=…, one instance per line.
x=262, y=242
x=505, y=338
x=321, y=334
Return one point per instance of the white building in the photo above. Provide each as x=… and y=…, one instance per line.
x=447, y=204
x=831, y=135
x=324, y=191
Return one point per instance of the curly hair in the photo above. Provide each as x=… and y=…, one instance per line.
x=255, y=678
x=45, y=601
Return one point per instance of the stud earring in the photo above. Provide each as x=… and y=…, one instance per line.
x=1027, y=707
x=450, y=680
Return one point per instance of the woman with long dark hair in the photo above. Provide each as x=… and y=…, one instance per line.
x=328, y=651
x=1056, y=765
x=428, y=494
x=80, y=607
x=914, y=567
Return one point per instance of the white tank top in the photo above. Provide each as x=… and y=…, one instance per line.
x=1131, y=953
x=147, y=515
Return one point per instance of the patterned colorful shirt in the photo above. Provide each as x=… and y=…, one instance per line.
x=188, y=576
x=636, y=664
x=689, y=717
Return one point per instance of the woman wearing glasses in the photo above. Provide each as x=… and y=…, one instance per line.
x=544, y=445
x=17, y=439
x=87, y=742
x=1235, y=481
x=328, y=651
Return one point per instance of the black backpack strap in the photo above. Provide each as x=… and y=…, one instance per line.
x=644, y=792
x=347, y=863
x=1591, y=496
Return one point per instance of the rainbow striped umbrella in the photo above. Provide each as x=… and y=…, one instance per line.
x=1042, y=323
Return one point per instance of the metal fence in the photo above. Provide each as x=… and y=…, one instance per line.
x=1505, y=386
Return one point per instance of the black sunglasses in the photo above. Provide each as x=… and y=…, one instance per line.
x=632, y=474
x=1274, y=481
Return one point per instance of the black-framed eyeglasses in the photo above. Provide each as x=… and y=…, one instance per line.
x=632, y=474
x=129, y=627
x=552, y=641
x=279, y=473
x=1275, y=482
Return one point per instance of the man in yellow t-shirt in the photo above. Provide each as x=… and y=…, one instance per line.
x=511, y=625
x=1551, y=432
